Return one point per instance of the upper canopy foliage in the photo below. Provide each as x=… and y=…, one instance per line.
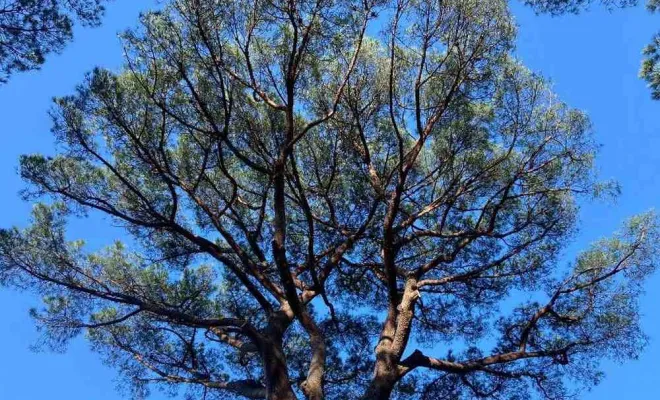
x=316, y=193
x=30, y=29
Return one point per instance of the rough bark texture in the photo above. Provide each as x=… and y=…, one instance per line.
x=277, y=382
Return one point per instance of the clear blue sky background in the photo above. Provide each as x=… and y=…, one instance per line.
x=592, y=60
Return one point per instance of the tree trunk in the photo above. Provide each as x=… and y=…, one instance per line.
x=382, y=384
x=385, y=370
x=393, y=342
x=276, y=373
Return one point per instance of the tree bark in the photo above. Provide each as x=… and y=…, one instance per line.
x=385, y=372
x=382, y=384
x=393, y=342
x=313, y=385
x=278, y=385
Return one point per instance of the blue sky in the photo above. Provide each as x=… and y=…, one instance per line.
x=592, y=61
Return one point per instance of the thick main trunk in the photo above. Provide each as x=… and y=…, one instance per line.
x=312, y=387
x=392, y=344
x=382, y=385
x=385, y=370
x=278, y=385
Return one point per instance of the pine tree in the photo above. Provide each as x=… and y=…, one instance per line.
x=329, y=199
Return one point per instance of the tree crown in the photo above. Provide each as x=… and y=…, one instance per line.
x=318, y=193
